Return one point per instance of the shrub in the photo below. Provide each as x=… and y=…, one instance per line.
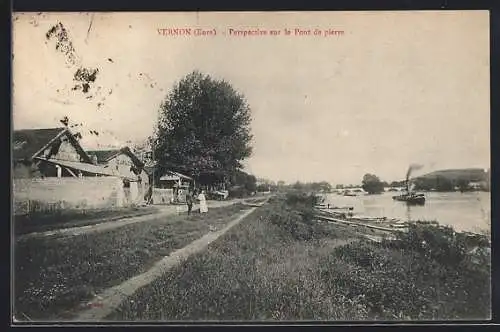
x=440, y=243
x=295, y=199
x=291, y=222
x=429, y=274
x=238, y=192
x=297, y=221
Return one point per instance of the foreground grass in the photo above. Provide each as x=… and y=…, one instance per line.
x=257, y=271
x=277, y=266
x=74, y=218
x=55, y=274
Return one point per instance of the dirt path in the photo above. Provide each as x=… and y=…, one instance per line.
x=106, y=302
x=107, y=225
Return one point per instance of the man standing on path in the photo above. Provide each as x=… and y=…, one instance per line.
x=126, y=191
x=189, y=200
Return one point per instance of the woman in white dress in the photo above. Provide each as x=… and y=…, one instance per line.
x=203, y=202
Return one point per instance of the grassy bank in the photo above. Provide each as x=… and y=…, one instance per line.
x=54, y=274
x=40, y=222
x=280, y=265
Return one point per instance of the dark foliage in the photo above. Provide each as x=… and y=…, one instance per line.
x=204, y=124
x=372, y=184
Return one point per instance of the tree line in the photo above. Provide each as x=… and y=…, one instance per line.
x=443, y=184
x=373, y=185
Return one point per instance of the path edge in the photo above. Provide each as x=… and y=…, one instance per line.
x=110, y=299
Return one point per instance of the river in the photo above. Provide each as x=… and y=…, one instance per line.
x=469, y=211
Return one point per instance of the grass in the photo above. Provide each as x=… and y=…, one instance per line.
x=279, y=265
x=73, y=218
x=55, y=274
x=255, y=199
x=259, y=270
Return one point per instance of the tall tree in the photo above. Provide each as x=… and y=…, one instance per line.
x=372, y=184
x=204, y=125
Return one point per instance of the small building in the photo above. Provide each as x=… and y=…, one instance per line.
x=175, y=185
x=173, y=179
x=122, y=161
x=125, y=164
x=36, y=153
x=477, y=185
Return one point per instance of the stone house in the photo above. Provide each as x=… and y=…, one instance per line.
x=125, y=164
x=37, y=153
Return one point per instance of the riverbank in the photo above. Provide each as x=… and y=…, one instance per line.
x=280, y=264
x=60, y=273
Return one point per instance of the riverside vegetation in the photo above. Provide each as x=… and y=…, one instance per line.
x=280, y=264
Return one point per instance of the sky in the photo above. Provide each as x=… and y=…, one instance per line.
x=395, y=88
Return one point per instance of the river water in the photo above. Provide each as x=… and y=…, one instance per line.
x=469, y=211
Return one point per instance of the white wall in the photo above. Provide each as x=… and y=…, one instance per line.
x=66, y=193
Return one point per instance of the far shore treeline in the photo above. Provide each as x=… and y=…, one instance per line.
x=470, y=179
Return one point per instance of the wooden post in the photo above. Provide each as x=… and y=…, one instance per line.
x=71, y=172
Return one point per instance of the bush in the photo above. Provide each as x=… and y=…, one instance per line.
x=440, y=243
x=301, y=199
x=237, y=192
x=291, y=222
x=297, y=221
x=429, y=274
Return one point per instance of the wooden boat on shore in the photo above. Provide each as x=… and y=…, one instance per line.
x=368, y=219
x=332, y=207
x=348, y=215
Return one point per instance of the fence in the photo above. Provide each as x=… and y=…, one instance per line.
x=162, y=196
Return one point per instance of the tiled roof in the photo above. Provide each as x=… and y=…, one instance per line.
x=105, y=155
x=26, y=142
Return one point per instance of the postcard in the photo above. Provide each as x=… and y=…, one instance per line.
x=251, y=166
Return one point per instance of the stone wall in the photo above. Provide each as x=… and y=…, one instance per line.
x=50, y=194
x=21, y=170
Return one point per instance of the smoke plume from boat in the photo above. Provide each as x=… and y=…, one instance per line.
x=412, y=168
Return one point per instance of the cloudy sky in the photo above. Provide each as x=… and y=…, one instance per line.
x=396, y=88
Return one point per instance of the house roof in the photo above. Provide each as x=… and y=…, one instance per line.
x=173, y=176
x=103, y=156
x=27, y=143
x=89, y=168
